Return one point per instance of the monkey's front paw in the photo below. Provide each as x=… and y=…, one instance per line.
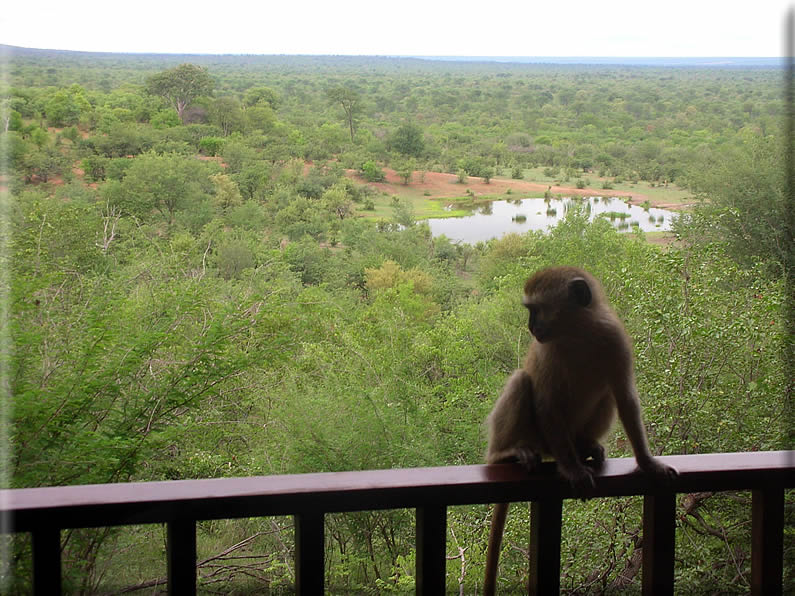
x=662, y=473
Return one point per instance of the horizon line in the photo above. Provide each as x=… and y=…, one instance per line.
x=490, y=57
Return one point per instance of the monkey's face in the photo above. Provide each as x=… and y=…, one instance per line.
x=555, y=301
x=541, y=322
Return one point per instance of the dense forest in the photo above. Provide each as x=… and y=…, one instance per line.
x=205, y=277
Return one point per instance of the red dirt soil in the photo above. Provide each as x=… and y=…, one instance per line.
x=440, y=186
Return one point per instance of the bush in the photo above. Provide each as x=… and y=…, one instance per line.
x=165, y=119
x=551, y=172
x=233, y=258
x=371, y=172
x=211, y=145
x=115, y=169
x=95, y=168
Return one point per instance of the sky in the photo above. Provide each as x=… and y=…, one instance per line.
x=630, y=28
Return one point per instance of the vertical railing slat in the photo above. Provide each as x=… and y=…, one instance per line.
x=431, y=544
x=767, y=541
x=47, y=561
x=659, y=525
x=309, y=553
x=181, y=556
x=544, y=552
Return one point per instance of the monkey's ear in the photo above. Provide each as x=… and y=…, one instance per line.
x=579, y=291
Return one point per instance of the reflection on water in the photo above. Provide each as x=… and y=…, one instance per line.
x=497, y=218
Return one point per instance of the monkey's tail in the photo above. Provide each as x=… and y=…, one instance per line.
x=493, y=553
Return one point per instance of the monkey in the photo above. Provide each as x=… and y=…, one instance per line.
x=577, y=373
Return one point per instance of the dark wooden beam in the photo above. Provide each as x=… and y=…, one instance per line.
x=310, y=575
x=181, y=556
x=431, y=539
x=545, y=525
x=46, y=562
x=659, y=525
x=767, y=541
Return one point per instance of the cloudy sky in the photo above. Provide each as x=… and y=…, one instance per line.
x=669, y=28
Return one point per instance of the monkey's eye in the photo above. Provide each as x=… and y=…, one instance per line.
x=533, y=312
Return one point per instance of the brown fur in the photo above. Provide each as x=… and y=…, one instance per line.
x=577, y=374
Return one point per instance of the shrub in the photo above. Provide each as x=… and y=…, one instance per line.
x=165, y=119
x=371, y=172
x=94, y=168
x=211, y=145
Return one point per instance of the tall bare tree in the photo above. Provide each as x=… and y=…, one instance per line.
x=350, y=101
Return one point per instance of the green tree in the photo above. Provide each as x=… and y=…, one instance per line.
x=260, y=117
x=12, y=120
x=403, y=212
x=180, y=86
x=405, y=170
x=261, y=95
x=225, y=113
x=408, y=140
x=371, y=172
x=123, y=140
x=211, y=145
x=163, y=119
x=390, y=275
x=338, y=201
x=66, y=106
x=39, y=137
x=234, y=256
x=744, y=203
x=162, y=183
x=94, y=167
x=351, y=103
x=44, y=163
x=227, y=194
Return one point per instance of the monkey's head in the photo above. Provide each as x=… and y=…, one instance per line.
x=557, y=298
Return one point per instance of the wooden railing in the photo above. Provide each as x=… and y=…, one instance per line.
x=308, y=497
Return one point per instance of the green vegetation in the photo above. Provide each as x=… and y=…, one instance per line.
x=195, y=293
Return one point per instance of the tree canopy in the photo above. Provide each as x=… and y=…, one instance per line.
x=180, y=86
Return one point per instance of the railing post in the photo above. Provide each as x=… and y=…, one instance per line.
x=431, y=544
x=544, y=552
x=767, y=541
x=46, y=561
x=181, y=555
x=309, y=553
x=659, y=525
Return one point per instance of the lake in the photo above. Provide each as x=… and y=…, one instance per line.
x=497, y=218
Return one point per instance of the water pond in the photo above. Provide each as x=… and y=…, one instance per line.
x=497, y=218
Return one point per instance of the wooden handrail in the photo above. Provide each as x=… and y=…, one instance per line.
x=180, y=503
